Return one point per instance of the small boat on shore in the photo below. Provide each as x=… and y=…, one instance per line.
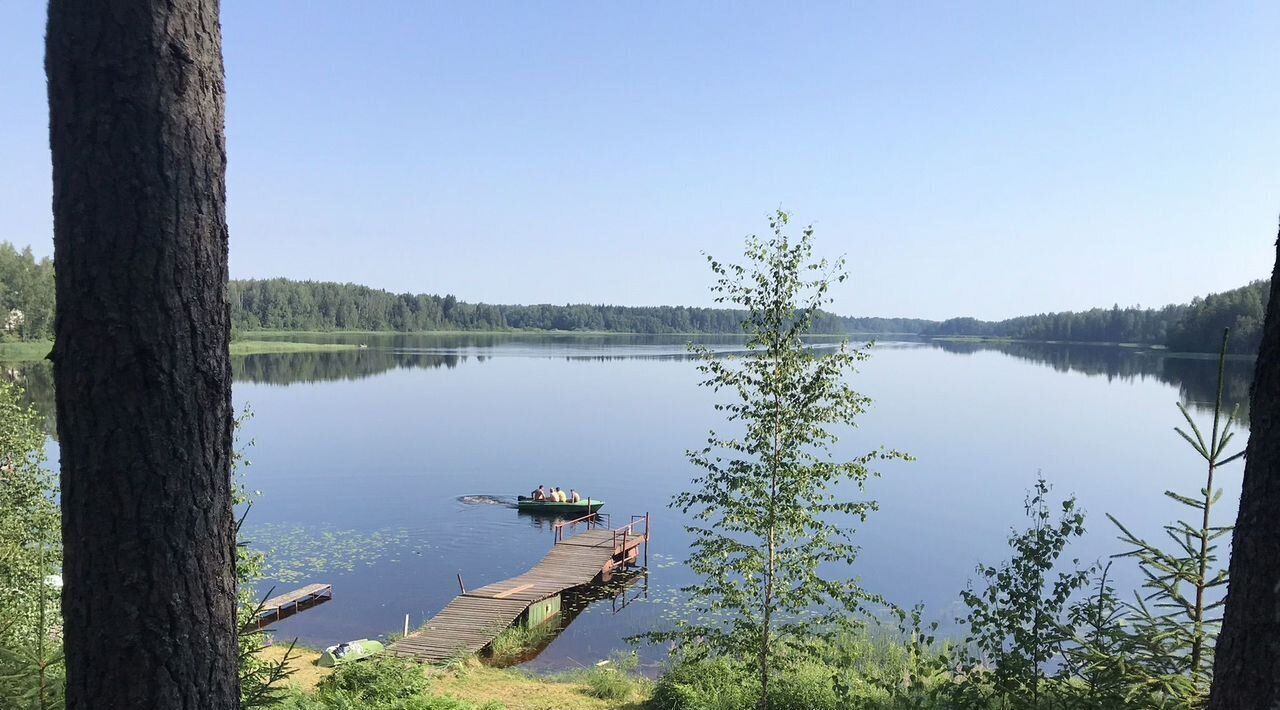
x=528, y=505
x=348, y=652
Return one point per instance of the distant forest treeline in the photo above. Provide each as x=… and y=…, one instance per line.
x=282, y=304
x=26, y=294
x=26, y=288
x=1191, y=327
x=1097, y=325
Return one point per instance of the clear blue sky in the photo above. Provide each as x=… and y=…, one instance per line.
x=970, y=158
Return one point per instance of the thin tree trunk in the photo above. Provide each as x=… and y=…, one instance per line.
x=1198, y=634
x=1246, y=670
x=141, y=364
x=765, y=637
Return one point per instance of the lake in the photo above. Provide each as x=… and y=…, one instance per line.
x=388, y=470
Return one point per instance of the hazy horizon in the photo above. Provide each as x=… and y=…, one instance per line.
x=991, y=160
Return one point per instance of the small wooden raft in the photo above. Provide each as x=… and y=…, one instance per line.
x=286, y=605
x=475, y=618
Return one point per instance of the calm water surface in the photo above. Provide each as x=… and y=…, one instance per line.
x=387, y=471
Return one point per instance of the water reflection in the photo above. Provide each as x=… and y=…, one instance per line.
x=35, y=380
x=339, y=365
x=625, y=589
x=1195, y=376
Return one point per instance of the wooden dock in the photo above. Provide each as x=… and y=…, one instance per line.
x=286, y=605
x=476, y=617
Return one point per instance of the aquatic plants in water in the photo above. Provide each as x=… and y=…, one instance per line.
x=298, y=552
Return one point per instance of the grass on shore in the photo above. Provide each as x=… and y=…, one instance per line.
x=517, y=641
x=516, y=690
x=25, y=351
x=479, y=685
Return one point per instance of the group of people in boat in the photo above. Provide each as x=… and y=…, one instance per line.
x=555, y=495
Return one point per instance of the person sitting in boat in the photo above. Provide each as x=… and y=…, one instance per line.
x=560, y=496
x=574, y=497
x=540, y=494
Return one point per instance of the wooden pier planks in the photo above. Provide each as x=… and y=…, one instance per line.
x=290, y=603
x=466, y=625
x=297, y=595
x=469, y=622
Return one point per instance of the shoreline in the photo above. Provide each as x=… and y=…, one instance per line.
x=35, y=351
x=1161, y=349
x=252, y=344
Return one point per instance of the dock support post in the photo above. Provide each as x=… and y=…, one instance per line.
x=406, y=624
x=647, y=535
x=461, y=586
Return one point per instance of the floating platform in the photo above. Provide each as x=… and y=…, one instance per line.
x=475, y=617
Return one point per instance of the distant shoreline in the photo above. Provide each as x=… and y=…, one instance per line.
x=35, y=351
x=1162, y=349
x=993, y=339
x=522, y=331
x=271, y=347
x=251, y=344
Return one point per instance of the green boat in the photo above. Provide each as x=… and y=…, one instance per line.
x=582, y=507
x=348, y=652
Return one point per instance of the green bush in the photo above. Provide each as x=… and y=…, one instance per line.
x=722, y=684
x=30, y=548
x=615, y=681
x=854, y=670
x=716, y=684
x=378, y=681
x=808, y=686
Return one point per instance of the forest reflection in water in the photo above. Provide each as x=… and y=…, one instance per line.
x=1194, y=375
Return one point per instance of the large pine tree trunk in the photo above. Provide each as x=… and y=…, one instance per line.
x=1246, y=671
x=141, y=365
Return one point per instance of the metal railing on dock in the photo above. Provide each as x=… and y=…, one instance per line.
x=591, y=519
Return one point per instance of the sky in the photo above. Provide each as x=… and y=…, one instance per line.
x=968, y=159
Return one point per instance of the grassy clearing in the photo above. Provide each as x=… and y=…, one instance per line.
x=477, y=686
x=515, y=690
x=306, y=674
x=25, y=351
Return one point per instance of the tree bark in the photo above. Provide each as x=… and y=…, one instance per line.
x=141, y=363
x=1246, y=671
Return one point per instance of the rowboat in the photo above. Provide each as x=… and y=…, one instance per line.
x=582, y=507
x=348, y=652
